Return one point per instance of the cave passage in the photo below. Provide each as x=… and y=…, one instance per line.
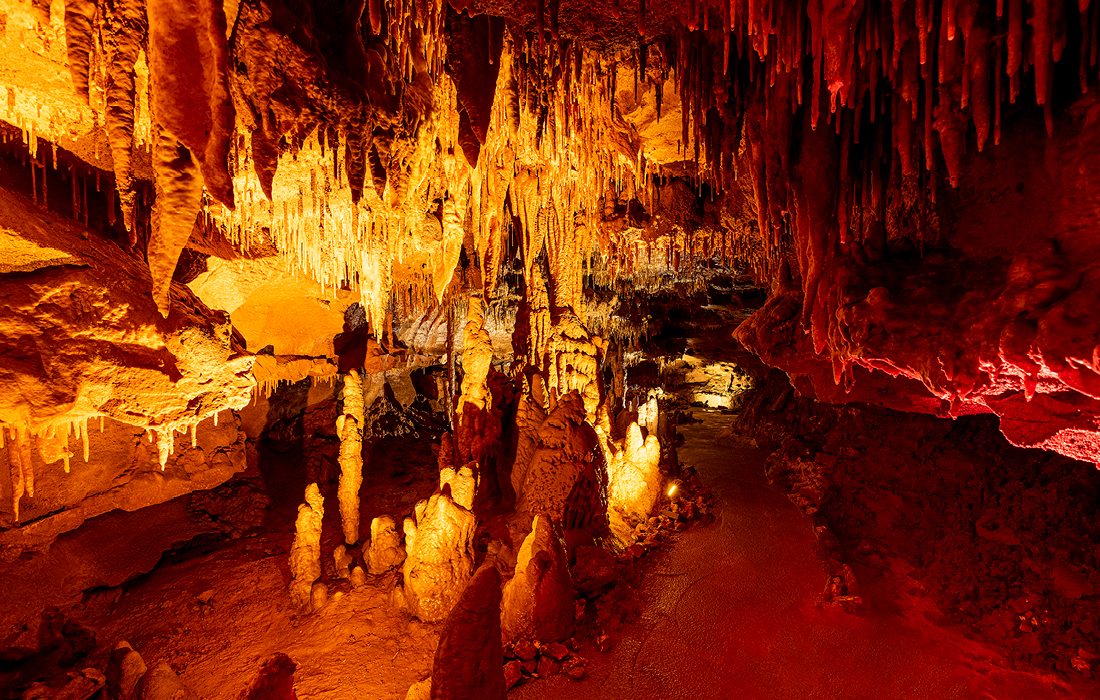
x=467, y=349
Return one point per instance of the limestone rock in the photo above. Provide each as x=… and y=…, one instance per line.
x=125, y=668
x=349, y=426
x=358, y=577
x=421, y=690
x=440, y=556
x=462, y=483
x=275, y=681
x=566, y=475
x=538, y=603
x=305, y=553
x=342, y=560
x=469, y=661
x=162, y=683
x=318, y=596
x=386, y=552
x=633, y=479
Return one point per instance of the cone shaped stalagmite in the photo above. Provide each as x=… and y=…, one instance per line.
x=538, y=603
x=469, y=661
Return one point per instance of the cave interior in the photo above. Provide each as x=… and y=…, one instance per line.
x=608, y=350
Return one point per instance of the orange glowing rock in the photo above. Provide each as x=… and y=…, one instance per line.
x=349, y=427
x=305, y=552
x=439, y=555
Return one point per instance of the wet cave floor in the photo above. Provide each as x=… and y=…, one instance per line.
x=728, y=610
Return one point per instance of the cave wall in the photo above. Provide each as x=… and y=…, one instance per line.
x=1000, y=541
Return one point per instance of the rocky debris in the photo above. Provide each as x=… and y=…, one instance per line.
x=468, y=660
x=525, y=661
x=385, y=552
x=538, y=600
x=83, y=685
x=439, y=546
x=305, y=552
x=125, y=667
x=275, y=680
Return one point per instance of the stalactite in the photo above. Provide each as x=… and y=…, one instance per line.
x=124, y=38
x=179, y=193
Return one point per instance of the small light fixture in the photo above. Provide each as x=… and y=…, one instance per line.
x=673, y=488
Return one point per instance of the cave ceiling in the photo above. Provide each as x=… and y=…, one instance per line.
x=911, y=182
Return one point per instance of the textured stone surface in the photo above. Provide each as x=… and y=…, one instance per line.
x=469, y=662
x=439, y=556
x=538, y=600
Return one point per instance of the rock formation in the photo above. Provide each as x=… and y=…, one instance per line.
x=124, y=671
x=161, y=683
x=538, y=603
x=633, y=478
x=385, y=552
x=275, y=680
x=462, y=484
x=305, y=552
x=209, y=211
x=469, y=661
x=439, y=558
x=565, y=476
x=349, y=426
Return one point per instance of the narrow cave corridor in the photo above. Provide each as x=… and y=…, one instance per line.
x=473, y=349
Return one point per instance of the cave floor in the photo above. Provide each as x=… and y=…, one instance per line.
x=729, y=611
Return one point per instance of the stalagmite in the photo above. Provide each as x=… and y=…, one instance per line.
x=633, y=479
x=566, y=475
x=439, y=556
x=124, y=671
x=349, y=427
x=538, y=603
x=462, y=483
x=469, y=661
x=385, y=552
x=274, y=681
x=305, y=552
x=162, y=683
x=477, y=358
